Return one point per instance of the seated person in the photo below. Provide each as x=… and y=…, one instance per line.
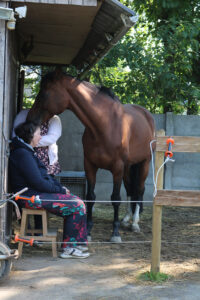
x=47, y=149
x=26, y=170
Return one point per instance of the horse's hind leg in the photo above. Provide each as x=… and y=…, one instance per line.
x=91, y=180
x=136, y=217
x=128, y=216
x=138, y=175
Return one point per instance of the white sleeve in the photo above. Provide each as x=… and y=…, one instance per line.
x=53, y=134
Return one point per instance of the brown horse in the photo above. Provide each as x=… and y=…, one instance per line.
x=116, y=138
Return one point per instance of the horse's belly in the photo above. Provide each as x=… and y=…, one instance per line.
x=102, y=161
x=139, y=152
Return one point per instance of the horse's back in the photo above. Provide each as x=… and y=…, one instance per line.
x=141, y=117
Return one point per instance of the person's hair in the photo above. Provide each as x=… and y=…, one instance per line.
x=26, y=131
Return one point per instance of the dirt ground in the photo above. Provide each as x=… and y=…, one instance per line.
x=112, y=270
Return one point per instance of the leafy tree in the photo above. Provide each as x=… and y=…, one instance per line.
x=156, y=63
x=31, y=84
x=33, y=75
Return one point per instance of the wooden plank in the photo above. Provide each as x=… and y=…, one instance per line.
x=159, y=160
x=181, y=144
x=177, y=198
x=157, y=213
x=156, y=238
x=2, y=102
x=64, y=2
x=179, y=193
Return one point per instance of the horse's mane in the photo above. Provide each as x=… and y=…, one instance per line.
x=109, y=92
x=52, y=77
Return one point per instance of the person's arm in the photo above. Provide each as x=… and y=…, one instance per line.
x=64, y=187
x=28, y=167
x=53, y=134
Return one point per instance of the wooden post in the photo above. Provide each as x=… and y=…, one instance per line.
x=157, y=214
x=156, y=238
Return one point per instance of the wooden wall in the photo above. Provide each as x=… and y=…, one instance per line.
x=67, y=2
x=8, y=94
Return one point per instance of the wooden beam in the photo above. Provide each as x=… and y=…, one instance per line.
x=156, y=238
x=65, y=2
x=157, y=214
x=159, y=160
x=177, y=198
x=181, y=144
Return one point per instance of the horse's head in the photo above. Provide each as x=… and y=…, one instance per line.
x=52, y=99
x=37, y=113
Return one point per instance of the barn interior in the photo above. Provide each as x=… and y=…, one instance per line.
x=50, y=32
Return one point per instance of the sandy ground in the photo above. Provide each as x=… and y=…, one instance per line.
x=111, y=272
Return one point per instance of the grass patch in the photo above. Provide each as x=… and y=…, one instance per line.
x=154, y=277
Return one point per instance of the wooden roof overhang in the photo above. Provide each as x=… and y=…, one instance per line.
x=70, y=32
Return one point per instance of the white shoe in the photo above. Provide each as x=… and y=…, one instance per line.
x=73, y=253
x=82, y=248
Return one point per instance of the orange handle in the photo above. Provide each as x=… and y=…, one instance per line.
x=32, y=199
x=169, y=152
x=170, y=140
x=17, y=239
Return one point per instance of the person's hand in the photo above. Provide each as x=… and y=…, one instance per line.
x=66, y=189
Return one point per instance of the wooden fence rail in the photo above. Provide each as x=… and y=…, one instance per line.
x=169, y=197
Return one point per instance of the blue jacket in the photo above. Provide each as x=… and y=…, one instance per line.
x=26, y=170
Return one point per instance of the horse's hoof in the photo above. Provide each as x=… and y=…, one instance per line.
x=125, y=224
x=89, y=238
x=115, y=239
x=135, y=228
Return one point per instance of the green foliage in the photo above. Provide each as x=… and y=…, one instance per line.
x=157, y=64
x=31, y=84
x=155, y=277
x=33, y=75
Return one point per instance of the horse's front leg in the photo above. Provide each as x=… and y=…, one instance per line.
x=90, y=196
x=91, y=180
x=117, y=180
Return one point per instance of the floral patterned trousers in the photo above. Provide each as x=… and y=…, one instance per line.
x=71, y=208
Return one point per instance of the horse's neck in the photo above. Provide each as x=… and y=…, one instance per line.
x=92, y=108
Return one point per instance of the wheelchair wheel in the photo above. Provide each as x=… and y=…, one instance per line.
x=6, y=264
